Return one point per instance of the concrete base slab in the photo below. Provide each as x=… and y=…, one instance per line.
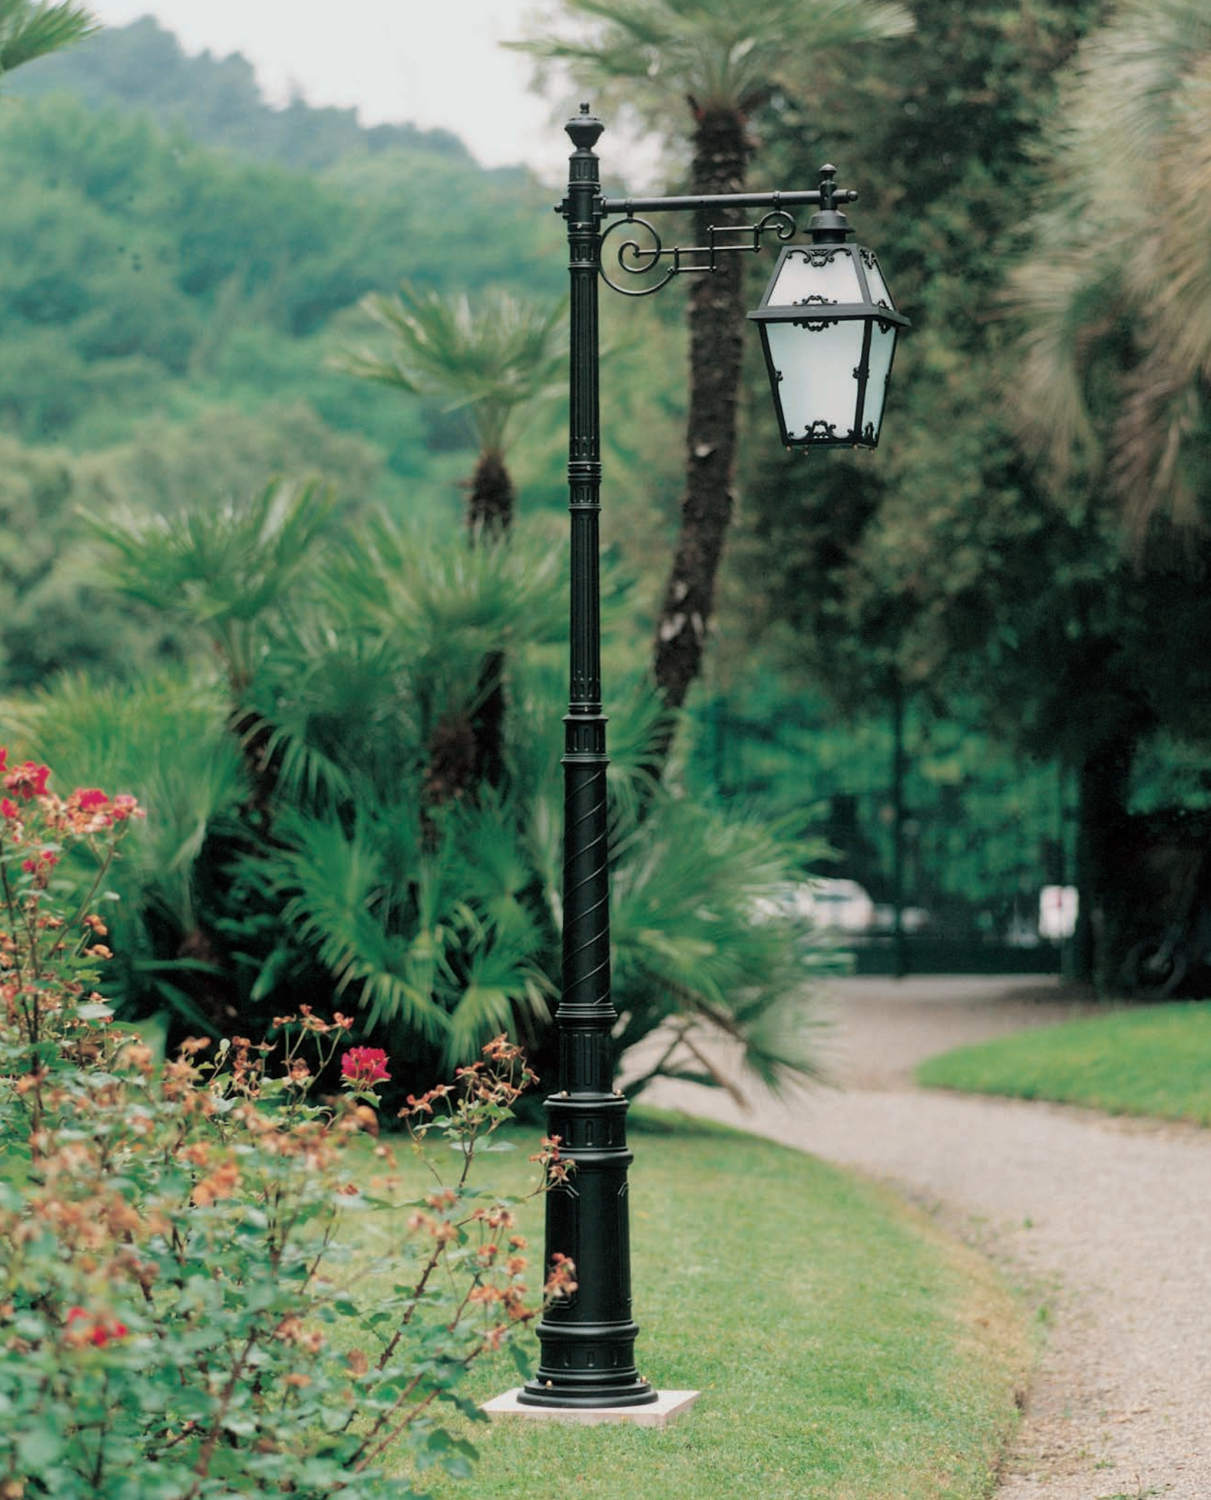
x=667, y=1407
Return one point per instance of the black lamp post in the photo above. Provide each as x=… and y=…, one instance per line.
x=831, y=289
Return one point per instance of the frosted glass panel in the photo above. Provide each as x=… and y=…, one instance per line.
x=874, y=280
x=817, y=372
x=882, y=346
x=798, y=279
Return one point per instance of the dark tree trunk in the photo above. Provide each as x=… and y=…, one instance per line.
x=467, y=750
x=1101, y=831
x=489, y=517
x=452, y=757
x=490, y=501
x=716, y=321
x=254, y=737
x=488, y=721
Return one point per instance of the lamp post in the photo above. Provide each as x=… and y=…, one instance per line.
x=834, y=296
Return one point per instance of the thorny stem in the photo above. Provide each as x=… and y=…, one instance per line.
x=76, y=920
x=368, y=1455
x=8, y=906
x=202, y=1465
x=418, y=1292
x=100, y=1463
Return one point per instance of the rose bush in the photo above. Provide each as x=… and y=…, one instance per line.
x=182, y=1312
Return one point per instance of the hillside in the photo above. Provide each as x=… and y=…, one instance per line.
x=215, y=101
x=178, y=264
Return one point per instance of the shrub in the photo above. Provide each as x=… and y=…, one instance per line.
x=180, y=1313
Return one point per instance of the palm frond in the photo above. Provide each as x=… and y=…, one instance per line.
x=686, y=942
x=487, y=358
x=503, y=986
x=29, y=30
x=723, y=53
x=221, y=569
x=1134, y=141
x=164, y=741
x=338, y=901
x=443, y=605
x=335, y=710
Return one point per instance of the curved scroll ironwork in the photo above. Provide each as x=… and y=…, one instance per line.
x=637, y=258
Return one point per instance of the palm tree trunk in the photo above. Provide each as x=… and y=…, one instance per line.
x=1102, y=821
x=716, y=321
x=467, y=750
x=490, y=501
x=489, y=516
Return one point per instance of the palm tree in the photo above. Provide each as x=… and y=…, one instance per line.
x=344, y=662
x=32, y=28
x=724, y=58
x=490, y=361
x=225, y=571
x=1115, y=296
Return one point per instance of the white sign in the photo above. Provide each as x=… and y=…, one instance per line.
x=1057, y=911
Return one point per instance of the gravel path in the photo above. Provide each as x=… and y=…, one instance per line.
x=1105, y=1222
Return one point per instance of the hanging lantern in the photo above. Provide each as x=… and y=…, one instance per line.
x=828, y=329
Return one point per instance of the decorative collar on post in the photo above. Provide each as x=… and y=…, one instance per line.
x=828, y=328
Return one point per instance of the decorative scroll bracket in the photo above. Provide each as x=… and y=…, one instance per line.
x=642, y=257
x=635, y=258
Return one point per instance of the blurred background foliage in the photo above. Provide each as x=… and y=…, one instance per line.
x=257, y=590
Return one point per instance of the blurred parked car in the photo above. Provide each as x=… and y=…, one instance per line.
x=831, y=905
x=838, y=905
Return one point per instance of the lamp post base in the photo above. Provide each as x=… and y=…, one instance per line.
x=663, y=1408
x=597, y=1395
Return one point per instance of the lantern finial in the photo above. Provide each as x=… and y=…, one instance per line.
x=829, y=226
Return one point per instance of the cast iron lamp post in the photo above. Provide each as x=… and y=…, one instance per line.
x=828, y=327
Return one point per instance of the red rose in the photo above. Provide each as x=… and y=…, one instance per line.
x=362, y=1065
x=101, y=1332
x=28, y=780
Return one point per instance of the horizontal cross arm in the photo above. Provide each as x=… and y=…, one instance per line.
x=720, y=200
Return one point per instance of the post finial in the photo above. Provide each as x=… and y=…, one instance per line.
x=584, y=129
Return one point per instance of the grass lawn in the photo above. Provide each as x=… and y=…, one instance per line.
x=842, y=1347
x=1151, y=1061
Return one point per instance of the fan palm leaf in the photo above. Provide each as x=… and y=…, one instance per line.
x=687, y=949
x=1115, y=298
x=488, y=359
x=29, y=29
x=334, y=711
x=503, y=989
x=339, y=902
x=162, y=740
x=724, y=54
x=223, y=569
x=427, y=587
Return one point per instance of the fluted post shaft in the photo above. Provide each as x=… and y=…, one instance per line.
x=588, y=1339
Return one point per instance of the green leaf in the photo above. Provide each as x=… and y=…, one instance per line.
x=39, y=1446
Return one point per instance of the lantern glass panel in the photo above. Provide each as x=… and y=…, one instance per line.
x=835, y=280
x=874, y=280
x=817, y=383
x=882, y=347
